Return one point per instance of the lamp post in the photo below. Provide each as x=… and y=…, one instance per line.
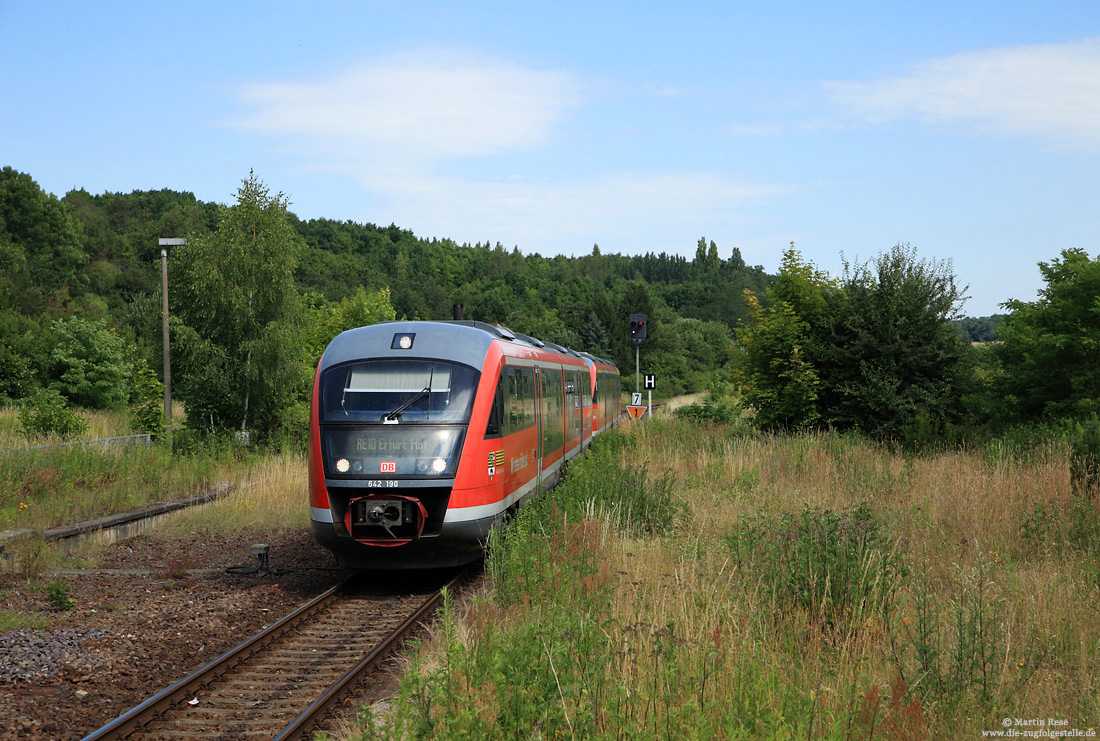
x=164, y=245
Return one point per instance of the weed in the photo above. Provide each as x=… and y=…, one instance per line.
x=968, y=669
x=719, y=411
x=1084, y=526
x=900, y=717
x=70, y=484
x=1084, y=461
x=13, y=620
x=1038, y=526
x=839, y=567
x=979, y=629
x=60, y=596
x=31, y=554
x=147, y=410
x=602, y=482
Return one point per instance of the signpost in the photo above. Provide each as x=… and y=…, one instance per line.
x=637, y=335
x=650, y=384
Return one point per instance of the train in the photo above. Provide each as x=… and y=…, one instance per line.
x=425, y=435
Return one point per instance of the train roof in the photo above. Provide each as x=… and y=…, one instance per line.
x=597, y=359
x=463, y=341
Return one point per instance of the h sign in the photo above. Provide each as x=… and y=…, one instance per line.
x=650, y=381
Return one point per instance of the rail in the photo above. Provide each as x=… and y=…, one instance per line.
x=166, y=712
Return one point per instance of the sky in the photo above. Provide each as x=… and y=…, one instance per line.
x=968, y=130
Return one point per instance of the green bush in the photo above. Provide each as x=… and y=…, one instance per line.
x=839, y=567
x=91, y=358
x=147, y=407
x=45, y=413
x=711, y=410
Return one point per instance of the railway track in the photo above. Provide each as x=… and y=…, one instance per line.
x=287, y=680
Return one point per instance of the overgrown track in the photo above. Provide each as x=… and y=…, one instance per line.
x=283, y=682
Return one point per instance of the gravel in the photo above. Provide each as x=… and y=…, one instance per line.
x=156, y=610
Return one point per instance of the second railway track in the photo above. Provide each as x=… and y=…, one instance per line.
x=283, y=682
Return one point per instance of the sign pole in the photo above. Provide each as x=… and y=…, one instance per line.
x=637, y=367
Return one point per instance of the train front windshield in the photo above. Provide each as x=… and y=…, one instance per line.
x=395, y=417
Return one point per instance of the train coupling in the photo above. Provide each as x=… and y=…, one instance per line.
x=386, y=520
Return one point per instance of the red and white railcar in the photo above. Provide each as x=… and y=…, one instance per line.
x=425, y=435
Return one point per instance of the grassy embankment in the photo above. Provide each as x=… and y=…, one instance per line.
x=696, y=582
x=40, y=489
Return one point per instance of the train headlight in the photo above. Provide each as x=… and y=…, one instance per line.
x=403, y=341
x=342, y=465
x=439, y=465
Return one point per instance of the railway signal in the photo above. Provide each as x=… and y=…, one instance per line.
x=637, y=328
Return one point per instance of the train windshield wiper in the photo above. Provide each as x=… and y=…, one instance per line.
x=424, y=393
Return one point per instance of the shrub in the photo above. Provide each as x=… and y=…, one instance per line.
x=147, y=410
x=720, y=411
x=92, y=360
x=45, y=413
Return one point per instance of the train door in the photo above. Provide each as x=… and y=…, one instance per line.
x=539, y=421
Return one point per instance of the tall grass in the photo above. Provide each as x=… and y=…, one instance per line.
x=870, y=595
x=101, y=424
x=45, y=488
x=55, y=486
x=270, y=494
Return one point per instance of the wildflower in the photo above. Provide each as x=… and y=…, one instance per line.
x=22, y=506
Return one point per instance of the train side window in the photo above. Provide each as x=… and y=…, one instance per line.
x=527, y=392
x=514, y=405
x=493, y=428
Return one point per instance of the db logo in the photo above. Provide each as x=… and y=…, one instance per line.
x=388, y=467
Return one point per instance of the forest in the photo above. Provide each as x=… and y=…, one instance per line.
x=257, y=293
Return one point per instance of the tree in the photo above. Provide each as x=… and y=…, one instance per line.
x=873, y=352
x=1051, y=347
x=92, y=364
x=238, y=312
x=771, y=368
x=40, y=253
x=594, y=338
x=327, y=320
x=714, y=263
x=775, y=366
x=887, y=353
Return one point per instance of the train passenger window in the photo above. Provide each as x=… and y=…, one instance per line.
x=517, y=399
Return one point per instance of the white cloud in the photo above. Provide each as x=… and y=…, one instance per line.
x=622, y=211
x=415, y=108
x=404, y=126
x=1050, y=91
